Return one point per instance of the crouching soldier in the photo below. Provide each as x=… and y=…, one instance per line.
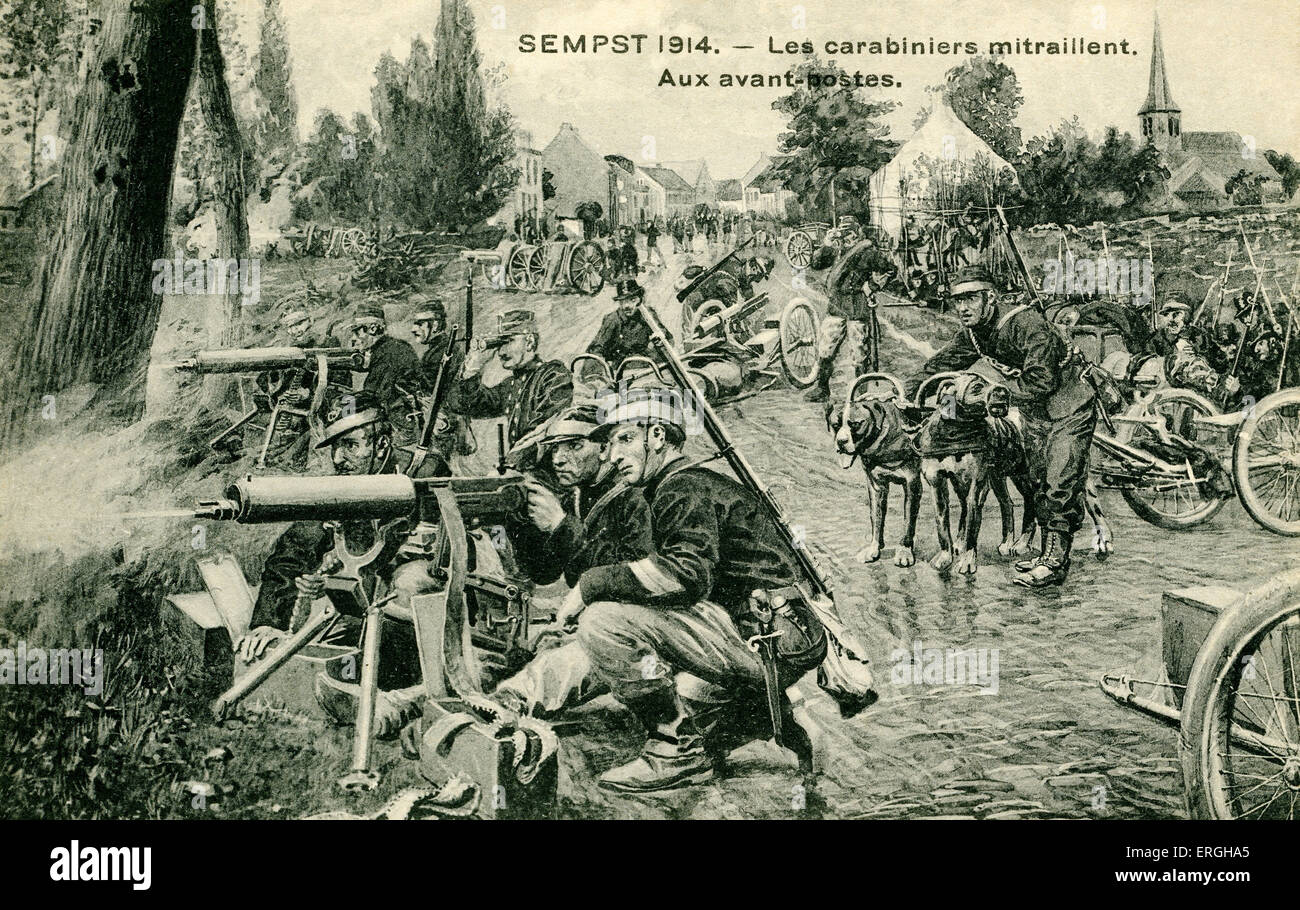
x=595, y=519
x=1057, y=407
x=670, y=633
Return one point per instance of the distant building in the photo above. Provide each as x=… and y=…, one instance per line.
x=651, y=198
x=579, y=174
x=1201, y=164
x=730, y=196
x=695, y=173
x=527, y=198
x=624, y=205
x=762, y=190
x=679, y=196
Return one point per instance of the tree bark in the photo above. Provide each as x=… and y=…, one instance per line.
x=222, y=313
x=94, y=314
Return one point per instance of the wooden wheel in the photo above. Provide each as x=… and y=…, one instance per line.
x=799, y=249
x=587, y=268
x=1266, y=463
x=535, y=268
x=798, y=328
x=354, y=241
x=517, y=267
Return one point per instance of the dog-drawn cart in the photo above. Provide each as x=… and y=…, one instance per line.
x=1234, y=695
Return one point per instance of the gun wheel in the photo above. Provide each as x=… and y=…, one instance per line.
x=353, y=241
x=798, y=328
x=799, y=249
x=517, y=267
x=587, y=268
x=535, y=268
x=1266, y=463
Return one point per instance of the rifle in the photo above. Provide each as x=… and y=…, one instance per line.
x=1020, y=261
x=711, y=270
x=448, y=371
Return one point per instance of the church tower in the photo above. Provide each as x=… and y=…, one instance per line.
x=1160, y=116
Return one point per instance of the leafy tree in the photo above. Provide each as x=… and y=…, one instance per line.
x=37, y=59
x=985, y=95
x=1054, y=172
x=834, y=139
x=1243, y=188
x=273, y=80
x=1288, y=168
x=338, y=167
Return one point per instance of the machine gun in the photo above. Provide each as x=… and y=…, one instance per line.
x=844, y=674
x=710, y=271
x=292, y=382
x=478, y=615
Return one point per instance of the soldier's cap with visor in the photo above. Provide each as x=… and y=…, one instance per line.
x=517, y=322
x=572, y=424
x=363, y=409
x=1173, y=304
x=431, y=309
x=627, y=289
x=643, y=406
x=369, y=315
x=971, y=280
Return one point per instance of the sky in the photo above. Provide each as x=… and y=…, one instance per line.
x=1233, y=64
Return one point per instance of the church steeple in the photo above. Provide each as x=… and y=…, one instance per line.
x=1160, y=116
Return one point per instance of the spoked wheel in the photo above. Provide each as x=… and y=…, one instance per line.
x=798, y=329
x=1266, y=463
x=693, y=316
x=1240, y=729
x=799, y=249
x=587, y=268
x=517, y=267
x=536, y=268
x=353, y=241
x=1173, y=505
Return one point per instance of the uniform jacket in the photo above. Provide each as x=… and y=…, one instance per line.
x=844, y=284
x=393, y=363
x=527, y=398
x=712, y=541
x=298, y=551
x=1046, y=388
x=596, y=531
x=621, y=336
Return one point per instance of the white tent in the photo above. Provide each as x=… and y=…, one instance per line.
x=943, y=147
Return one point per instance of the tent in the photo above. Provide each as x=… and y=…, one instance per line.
x=943, y=147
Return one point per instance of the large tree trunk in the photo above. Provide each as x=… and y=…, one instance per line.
x=95, y=313
x=222, y=313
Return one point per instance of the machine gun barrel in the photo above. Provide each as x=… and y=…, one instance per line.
x=704, y=276
x=738, y=310
x=739, y=464
x=376, y=497
x=257, y=360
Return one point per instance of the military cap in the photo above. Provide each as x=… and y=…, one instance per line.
x=970, y=280
x=1174, y=303
x=578, y=422
x=643, y=405
x=517, y=322
x=431, y=310
x=353, y=411
x=628, y=288
x=370, y=315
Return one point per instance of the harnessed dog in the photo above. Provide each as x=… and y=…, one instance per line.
x=874, y=431
x=968, y=446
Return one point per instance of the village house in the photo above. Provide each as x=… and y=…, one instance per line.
x=527, y=198
x=762, y=191
x=695, y=173
x=579, y=174
x=730, y=196
x=679, y=196
x=1203, y=166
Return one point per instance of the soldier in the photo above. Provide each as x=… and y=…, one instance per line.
x=392, y=369
x=1057, y=407
x=624, y=332
x=595, y=519
x=535, y=391
x=851, y=288
x=668, y=632
x=430, y=330
x=297, y=332
x=290, y=442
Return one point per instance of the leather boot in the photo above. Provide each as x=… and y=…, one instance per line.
x=1053, y=566
x=821, y=389
x=673, y=756
x=1024, y=565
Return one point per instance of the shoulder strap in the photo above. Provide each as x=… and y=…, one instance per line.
x=1016, y=310
x=610, y=495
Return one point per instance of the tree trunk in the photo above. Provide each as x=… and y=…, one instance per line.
x=94, y=314
x=36, y=122
x=223, y=313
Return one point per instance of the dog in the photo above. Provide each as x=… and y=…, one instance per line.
x=873, y=431
x=969, y=446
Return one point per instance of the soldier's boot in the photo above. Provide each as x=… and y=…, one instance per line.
x=1024, y=565
x=1053, y=566
x=821, y=389
x=673, y=756
x=393, y=709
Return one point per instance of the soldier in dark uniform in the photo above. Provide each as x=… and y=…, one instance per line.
x=594, y=519
x=291, y=440
x=667, y=633
x=851, y=288
x=535, y=391
x=624, y=332
x=1057, y=407
x=392, y=369
x=430, y=330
